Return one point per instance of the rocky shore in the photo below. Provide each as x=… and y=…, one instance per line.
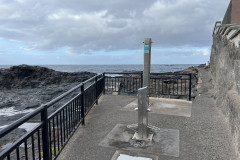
x=25, y=77
x=23, y=88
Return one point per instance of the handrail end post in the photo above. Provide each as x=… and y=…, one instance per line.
x=104, y=77
x=96, y=89
x=82, y=105
x=190, y=87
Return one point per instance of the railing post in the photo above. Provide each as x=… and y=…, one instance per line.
x=82, y=105
x=104, y=82
x=190, y=87
x=45, y=139
x=96, y=79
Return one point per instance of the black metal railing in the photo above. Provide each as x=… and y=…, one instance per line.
x=161, y=84
x=53, y=130
x=47, y=139
x=123, y=82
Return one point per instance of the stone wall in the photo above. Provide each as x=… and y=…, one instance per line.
x=225, y=71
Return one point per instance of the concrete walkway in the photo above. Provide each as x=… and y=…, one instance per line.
x=198, y=132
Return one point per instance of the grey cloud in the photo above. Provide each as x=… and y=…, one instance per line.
x=84, y=26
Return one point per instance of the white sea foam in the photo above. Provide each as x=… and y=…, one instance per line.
x=27, y=126
x=11, y=111
x=1, y=127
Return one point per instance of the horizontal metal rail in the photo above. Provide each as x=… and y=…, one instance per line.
x=173, y=74
x=140, y=72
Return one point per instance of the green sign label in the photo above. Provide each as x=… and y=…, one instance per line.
x=146, y=48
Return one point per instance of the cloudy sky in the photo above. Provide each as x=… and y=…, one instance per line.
x=107, y=31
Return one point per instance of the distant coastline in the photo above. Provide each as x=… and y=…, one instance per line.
x=160, y=68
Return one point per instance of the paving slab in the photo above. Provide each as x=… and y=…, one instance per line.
x=165, y=141
x=176, y=107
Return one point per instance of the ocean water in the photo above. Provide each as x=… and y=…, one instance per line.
x=158, y=68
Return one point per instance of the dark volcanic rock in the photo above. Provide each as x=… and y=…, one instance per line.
x=25, y=76
x=202, y=65
x=32, y=105
x=7, y=104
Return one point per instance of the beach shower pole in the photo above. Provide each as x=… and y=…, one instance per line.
x=142, y=113
x=147, y=65
x=143, y=132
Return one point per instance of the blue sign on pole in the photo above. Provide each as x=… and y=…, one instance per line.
x=146, y=48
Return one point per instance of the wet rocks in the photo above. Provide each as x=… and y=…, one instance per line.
x=27, y=87
x=25, y=76
x=7, y=104
x=32, y=105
